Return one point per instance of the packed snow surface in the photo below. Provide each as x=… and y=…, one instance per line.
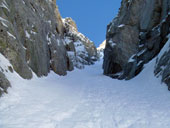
x=86, y=99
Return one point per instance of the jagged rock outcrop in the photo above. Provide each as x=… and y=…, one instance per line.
x=135, y=36
x=81, y=50
x=4, y=84
x=33, y=38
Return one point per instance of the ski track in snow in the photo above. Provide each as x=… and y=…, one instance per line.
x=86, y=99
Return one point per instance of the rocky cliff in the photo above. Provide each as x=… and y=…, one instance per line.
x=80, y=49
x=34, y=38
x=135, y=37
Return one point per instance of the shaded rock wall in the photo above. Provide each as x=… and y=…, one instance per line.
x=135, y=36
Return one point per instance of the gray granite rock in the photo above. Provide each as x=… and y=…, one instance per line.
x=135, y=37
x=34, y=26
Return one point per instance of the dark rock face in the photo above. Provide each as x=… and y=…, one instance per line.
x=33, y=38
x=4, y=83
x=136, y=36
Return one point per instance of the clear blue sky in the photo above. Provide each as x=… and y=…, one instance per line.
x=91, y=16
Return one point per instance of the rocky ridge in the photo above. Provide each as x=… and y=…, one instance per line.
x=135, y=37
x=80, y=49
x=33, y=38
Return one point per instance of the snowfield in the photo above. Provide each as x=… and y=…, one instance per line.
x=86, y=99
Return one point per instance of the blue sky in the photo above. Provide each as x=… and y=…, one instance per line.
x=91, y=16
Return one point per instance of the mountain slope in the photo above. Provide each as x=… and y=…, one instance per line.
x=85, y=99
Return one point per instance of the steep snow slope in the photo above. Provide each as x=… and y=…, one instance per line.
x=85, y=99
x=101, y=48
